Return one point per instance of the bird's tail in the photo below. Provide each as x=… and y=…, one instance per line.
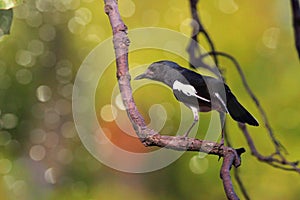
x=238, y=112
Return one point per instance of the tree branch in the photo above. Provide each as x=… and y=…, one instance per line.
x=197, y=61
x=280, y=162
x=193, y=48
x=236, y=170
x=148, y=136
x=225, y=175
x=121, y=43
x=201, y=29
x=151, y=138
x=276, y=159
x=296, y=23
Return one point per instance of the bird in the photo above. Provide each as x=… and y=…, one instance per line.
x=198, y=92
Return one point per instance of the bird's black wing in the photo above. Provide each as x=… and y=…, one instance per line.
x=210, y=93
x=191, y=89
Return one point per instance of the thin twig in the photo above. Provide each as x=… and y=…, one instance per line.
x=271, y=159
x=280, y=162
x=200, y=28
x=241, y=184
x=196, y=61
x=194, y=49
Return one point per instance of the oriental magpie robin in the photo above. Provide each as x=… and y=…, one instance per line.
x=198, y=92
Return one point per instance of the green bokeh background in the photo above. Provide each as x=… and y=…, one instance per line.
x=41, y=156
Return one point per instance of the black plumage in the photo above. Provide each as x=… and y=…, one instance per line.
x=199, y=93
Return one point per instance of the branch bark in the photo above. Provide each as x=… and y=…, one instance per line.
x=225, y=175
x=121, y=43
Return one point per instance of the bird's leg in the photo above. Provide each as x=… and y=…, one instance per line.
x=222, y=119
x=196, y=119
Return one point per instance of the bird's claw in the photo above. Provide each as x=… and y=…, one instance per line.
x=185, y=135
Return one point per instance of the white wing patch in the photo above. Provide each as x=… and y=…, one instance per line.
x=187, y=90
x=221, y=100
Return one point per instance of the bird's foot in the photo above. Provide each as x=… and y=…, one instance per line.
x=186, y=134
x=222, y=142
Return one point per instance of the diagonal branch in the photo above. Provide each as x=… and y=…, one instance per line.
x=280, y=162
x=121, y=43
x=296, y=23
x=193, y=48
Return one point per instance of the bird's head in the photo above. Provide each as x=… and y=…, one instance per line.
x=158, y=70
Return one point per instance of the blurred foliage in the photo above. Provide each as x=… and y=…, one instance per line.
x=7, y=4
x=6, y=17
x=41, y=156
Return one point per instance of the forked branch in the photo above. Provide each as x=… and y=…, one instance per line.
x=148, y=136
x=276, y=159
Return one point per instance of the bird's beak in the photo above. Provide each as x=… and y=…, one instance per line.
x=147, y=74
x=141, y=76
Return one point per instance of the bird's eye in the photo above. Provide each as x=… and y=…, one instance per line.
x=153, y=69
